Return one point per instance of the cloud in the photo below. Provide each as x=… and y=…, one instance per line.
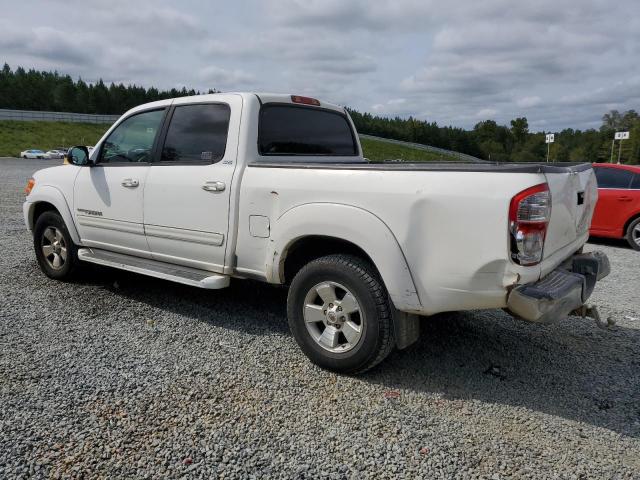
x=453, y=62
x=528, y=102
x=223, y=78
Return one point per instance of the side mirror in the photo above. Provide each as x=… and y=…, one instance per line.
x=78, y=156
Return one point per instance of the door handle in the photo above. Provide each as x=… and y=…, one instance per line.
x=625, y=199
x=130, y=183
x=214, y=186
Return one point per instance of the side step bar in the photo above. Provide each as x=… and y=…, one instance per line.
x=154, y=268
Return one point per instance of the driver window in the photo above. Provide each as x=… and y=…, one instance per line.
x=132, y=140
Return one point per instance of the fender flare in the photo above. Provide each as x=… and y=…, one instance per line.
x=50, y=194
x=355, y=225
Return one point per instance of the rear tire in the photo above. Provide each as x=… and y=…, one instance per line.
x=55, y=251
x=633, y=234
x=340, y=315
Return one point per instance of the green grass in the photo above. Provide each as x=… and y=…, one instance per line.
x=16, y=136
x=377, y=151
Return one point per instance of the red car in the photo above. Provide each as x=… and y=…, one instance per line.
x=617, y=212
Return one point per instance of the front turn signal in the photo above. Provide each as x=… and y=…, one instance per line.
x=30, y=184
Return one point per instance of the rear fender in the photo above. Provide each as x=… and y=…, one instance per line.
x=355, y=225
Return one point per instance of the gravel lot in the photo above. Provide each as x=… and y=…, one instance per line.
x=121, y=375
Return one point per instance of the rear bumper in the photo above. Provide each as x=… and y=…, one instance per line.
x=561, y=291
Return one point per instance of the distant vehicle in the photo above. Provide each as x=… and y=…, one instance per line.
x=55, y=154
x=33, y=154
x=617, y=213
x=198, y=190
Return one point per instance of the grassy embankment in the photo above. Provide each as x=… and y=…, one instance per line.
x=16, y=136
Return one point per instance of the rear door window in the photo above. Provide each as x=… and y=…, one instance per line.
x=613, y=177
x=296, y=130
x=197, y=133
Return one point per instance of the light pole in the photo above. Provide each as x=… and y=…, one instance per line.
x=549, y=139
x=619, y=136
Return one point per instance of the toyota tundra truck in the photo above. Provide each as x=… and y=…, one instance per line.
x=275, y=188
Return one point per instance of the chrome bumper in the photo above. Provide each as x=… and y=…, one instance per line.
x=563, y=290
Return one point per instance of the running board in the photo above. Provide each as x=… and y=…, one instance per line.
x=154, y=268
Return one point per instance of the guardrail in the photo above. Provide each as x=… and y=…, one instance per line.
x=33, y=115
x=461, y=156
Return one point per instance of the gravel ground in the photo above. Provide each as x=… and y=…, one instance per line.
x=118, y=375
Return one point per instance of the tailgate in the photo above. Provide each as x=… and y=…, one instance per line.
x=574, y=193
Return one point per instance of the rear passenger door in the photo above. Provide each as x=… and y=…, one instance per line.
x=186, y=197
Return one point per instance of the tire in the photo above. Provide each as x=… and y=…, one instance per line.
x=365, y=338
x=24, y=156
x=51, y=239
x=633, y=234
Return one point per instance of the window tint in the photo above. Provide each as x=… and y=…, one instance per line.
x=613, y=177
x=197, y=133
x=132, y=140
x=289, y=130
x=635, y=183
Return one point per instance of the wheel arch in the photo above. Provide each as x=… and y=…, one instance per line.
x=312, y=230
x=631, y=219
x=49, y=198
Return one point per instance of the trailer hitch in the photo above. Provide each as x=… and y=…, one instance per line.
x=591, y=311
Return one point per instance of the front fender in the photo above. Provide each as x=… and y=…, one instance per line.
x=355, y=225
x=50, y=194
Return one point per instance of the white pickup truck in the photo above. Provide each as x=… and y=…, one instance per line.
x=202, y=189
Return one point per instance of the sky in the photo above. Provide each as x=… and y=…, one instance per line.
x=559, y=63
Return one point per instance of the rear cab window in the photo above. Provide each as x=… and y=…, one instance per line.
x=287, y=130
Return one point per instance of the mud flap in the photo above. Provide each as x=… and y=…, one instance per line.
x=406, y=328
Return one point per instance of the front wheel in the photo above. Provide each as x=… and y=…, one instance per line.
x=633, y=234
x=340, y=315
x=55, y=251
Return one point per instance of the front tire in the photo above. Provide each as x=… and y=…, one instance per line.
x=55, y=251
x=340, y=315
x=633, y=234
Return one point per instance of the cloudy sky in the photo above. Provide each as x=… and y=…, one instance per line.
x=559, y=63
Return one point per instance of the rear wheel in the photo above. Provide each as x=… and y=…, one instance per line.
x=55, y=251
x=340, y=315
x=633, y=234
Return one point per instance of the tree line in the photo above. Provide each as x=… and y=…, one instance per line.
x=50, y=91
x=40, y=90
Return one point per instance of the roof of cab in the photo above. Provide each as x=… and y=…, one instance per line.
x=632, y=168
x=262, y=97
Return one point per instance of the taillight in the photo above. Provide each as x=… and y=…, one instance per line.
x=529, y=215
x=305, y=100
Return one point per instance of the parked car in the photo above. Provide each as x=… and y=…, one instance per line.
x=55, y=154
x=33, y=154
x=617, y=212
x=184, y=190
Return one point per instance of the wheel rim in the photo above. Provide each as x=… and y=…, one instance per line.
x=54, y=247
x=635, y=234
x=333, y=317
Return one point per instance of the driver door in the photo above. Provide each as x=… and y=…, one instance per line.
x=108, y=196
